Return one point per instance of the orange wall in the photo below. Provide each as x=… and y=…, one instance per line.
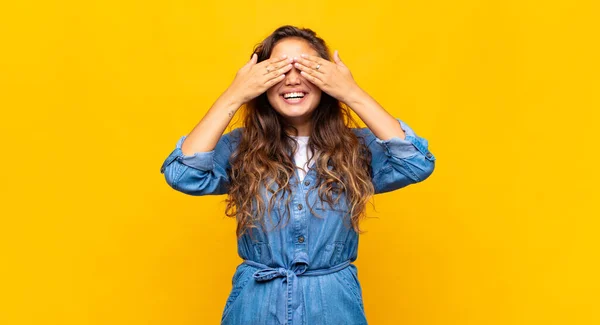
x=96, y=93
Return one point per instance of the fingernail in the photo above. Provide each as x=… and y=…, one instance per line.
x=303, y=55
x=284, y=56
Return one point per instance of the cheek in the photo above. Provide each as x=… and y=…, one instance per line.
x=318, y=97
x=272, y=95
x=272, y=98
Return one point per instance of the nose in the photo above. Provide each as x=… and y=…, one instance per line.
x=293, y=76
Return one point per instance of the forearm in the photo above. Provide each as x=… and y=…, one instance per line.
x=378, y=120
x=208, y=131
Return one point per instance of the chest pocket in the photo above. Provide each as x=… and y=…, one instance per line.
x=333, y=253
x=340, y=206
x=338, y=211
x=263, y=253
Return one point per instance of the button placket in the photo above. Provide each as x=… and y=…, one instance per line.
x=299, y=224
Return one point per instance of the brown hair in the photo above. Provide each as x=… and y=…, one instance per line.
x=262, y=157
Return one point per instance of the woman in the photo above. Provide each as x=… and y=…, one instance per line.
x=298, y=179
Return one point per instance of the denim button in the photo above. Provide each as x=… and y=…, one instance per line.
x=299, y=206
x=306, y=183
x=429, y=155
x=301, y=239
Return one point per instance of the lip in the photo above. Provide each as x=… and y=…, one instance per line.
x=294, y=90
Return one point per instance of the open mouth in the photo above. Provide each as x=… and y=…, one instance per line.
x=294, y=98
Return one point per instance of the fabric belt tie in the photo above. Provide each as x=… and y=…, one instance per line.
x=266, y=273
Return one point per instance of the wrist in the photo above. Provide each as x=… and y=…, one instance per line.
x=231, y=99
x=355, y=96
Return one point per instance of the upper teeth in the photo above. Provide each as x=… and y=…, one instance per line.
x=288, y=95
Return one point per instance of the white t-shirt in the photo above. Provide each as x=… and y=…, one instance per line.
x=302, y=154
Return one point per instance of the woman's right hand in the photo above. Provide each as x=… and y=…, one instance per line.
x=253, y=79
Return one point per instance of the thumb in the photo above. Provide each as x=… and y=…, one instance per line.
x=336, y=58
x=253, y=59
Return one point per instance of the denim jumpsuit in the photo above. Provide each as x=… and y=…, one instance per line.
x=302, y=273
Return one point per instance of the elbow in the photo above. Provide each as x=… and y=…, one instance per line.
x=179, y=180
x=420, y=169
x=425, y=165
x=426, y=170
x=172, y=176
x=194, y=182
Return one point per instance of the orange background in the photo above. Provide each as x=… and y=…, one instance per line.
x=95, y=95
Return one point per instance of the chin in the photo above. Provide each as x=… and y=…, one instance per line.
x=294, y=111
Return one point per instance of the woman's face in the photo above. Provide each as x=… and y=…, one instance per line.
x=295, y=109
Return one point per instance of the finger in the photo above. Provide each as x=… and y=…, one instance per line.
x=253, y=60
x=313, y=62
x=336, y=57
x=313, y=58
x=310, y=66
x=312, y=79
x=250, y=63
x=273, y=64
x=275, y=80
x=276, y=66
x=308, y=71
x=277, y=73
x=283, y=63
x=270, y=62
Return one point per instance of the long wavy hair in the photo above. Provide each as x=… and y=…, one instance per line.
x=264, y=157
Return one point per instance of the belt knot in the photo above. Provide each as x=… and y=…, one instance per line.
x=267, y=274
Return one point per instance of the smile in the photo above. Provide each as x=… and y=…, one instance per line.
x=294, y=98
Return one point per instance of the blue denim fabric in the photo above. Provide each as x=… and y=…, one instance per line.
x=301, y=273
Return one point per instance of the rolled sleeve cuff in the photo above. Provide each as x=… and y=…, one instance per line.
x=199, y=160
x=411, y=145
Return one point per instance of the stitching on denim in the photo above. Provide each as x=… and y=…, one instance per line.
x=238, y=290
x=382, y=170
x=407, y=167
x=323, y=303
x=168, y=162
x=353, y=288
x=179, y=173
x=264, y=257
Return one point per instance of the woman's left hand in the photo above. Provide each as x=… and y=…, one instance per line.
x=334, y=78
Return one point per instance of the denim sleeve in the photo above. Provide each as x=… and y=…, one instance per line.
x=203, y=173
x=397, y=162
